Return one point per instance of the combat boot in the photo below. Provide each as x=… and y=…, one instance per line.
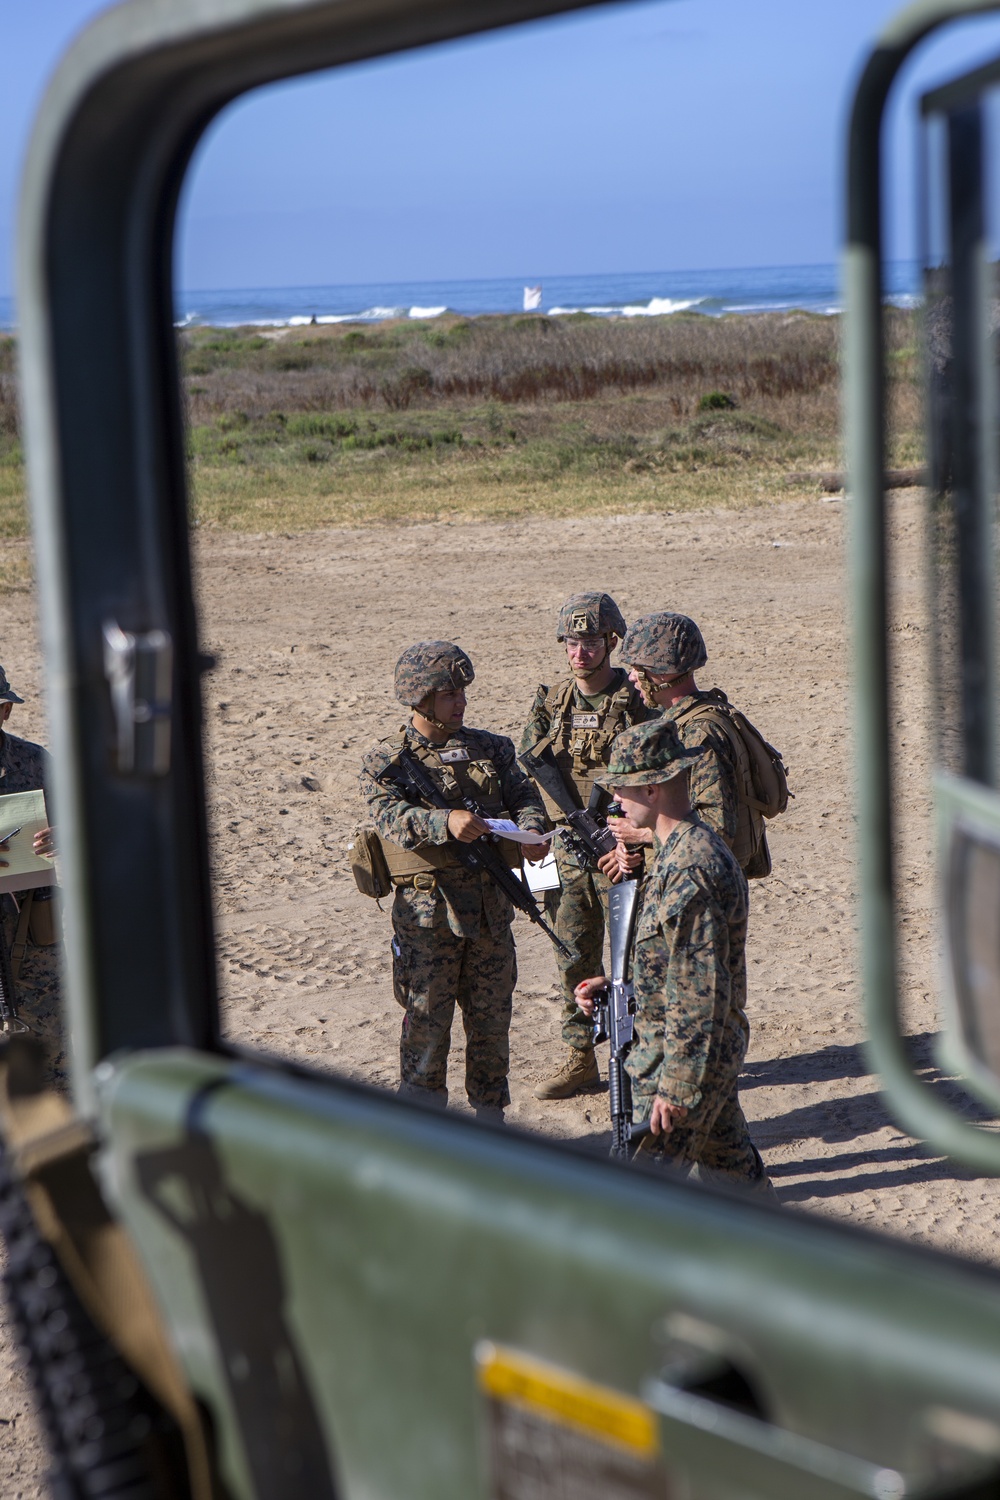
x=578, y=1074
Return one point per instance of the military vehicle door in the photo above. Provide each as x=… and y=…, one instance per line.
x=369, y=1299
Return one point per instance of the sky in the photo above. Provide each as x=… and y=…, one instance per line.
x=670, y=135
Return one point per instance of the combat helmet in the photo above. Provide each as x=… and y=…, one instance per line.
x=665, y=642
x=431, y=667
x=7, y=693
x=590, y=614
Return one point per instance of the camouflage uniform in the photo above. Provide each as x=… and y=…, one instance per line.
x=673, y=643
x=24, y=767
x=452, y=935
x=689, y=973
x=577, y=909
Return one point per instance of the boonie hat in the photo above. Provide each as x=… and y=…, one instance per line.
x=7, y=693
x=430, y=667
x=590, y=614
x=665, y=642
x=647, y=754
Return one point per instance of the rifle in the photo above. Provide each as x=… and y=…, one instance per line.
x=613, y=1012
x=481, y=856
x=591, y=838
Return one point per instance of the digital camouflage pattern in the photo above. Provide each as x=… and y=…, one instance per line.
x=646, y=754
x=664, y=642
x=24, y=766
x=8, y=695
x=577, y=912
x=712, y=780
x=431, y=667
x=452, y=941
x=432, y=969
x=577, y=909
x=711, y=773
x=691, y=1030
x=590, y=614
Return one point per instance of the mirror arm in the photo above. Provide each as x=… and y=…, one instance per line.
x=916, y=1107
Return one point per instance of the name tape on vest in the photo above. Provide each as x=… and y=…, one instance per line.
x=586, y=721
x=451, y=756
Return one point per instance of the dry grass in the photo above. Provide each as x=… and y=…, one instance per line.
x=496, y=417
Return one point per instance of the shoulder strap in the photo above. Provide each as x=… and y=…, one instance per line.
x=557, y=701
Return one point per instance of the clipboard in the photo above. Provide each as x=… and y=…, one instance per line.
x=25, y=870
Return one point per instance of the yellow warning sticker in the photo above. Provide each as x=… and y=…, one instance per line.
x=556, y=1395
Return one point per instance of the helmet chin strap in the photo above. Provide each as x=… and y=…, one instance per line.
x=444, y=728
x=647, y=687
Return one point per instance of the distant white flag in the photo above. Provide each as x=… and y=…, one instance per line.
x=532, y=298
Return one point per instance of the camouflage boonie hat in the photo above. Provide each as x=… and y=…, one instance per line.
x=647, y=754
x=7, y=693
x=590, y=614
x=430, y=667
x=664, y=643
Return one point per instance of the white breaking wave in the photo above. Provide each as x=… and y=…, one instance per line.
x=656, y=307
x=427, y=312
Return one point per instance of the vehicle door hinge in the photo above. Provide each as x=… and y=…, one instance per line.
x=139, y=671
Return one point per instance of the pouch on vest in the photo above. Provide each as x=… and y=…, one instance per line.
x=368, y=865
x=761, y=779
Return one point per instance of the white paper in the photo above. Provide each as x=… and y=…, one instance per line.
x=542, y=876
x=508, y=830
x=23, y=868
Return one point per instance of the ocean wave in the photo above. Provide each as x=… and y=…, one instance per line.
x=427, y=312
x=656, y=307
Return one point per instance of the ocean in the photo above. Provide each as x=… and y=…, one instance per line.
x=629, y=295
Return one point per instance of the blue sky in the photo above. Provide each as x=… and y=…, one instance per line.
x=669, y=135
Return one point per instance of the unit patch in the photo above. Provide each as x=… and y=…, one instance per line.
x=451, y=756
x=552, y=1433
x=586, y=721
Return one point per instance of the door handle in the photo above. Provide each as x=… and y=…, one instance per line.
x=734, y=1455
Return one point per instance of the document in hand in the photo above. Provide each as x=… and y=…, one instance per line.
x=509, y=830
x=25, y=869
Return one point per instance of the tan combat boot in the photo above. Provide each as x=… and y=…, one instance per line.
x=578, y=1074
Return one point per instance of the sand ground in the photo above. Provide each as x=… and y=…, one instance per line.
x=306, y=630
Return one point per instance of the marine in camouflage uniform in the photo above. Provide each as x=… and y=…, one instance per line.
x=578, y=719
x=452, y=939
x=689, y=970
x=670, y=646
x=24, y=766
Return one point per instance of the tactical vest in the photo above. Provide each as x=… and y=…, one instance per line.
x=457, y=773
x=581, y=737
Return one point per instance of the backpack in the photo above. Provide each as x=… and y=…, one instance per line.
x=761, y=779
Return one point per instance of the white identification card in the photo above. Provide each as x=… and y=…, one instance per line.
x=451, y=756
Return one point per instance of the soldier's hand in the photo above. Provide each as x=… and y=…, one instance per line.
x=535, y=853
x=587, y=992
x=627, y=833
x=663, y=1116
x=628, y=860
x=608, y=865
x=465, y=826
x=4, y=846
x=44, y=842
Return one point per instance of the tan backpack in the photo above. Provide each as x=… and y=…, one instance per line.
x=761, y=779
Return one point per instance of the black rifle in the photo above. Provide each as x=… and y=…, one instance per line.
x=614, y=1009
x=591, y=838
x=412, y=778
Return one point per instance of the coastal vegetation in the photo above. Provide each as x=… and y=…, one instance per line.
x=461, y=418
